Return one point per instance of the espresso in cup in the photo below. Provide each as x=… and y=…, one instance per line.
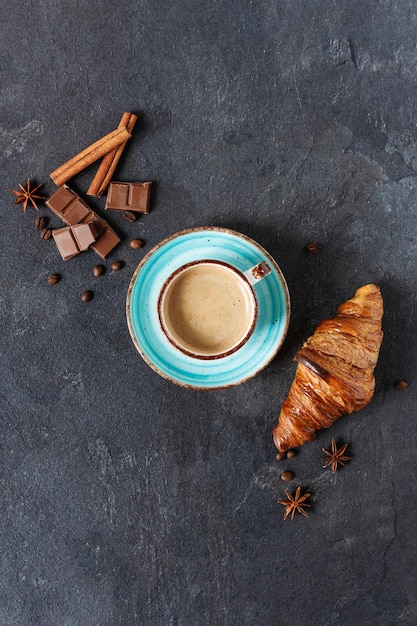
x=207, y=309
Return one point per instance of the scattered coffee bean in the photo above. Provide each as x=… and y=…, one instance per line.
x=312, y=247
x=40, y=223
x=287, y=476
x=130, y=216
x=98, y=270
x=291, y=454
x=136, y=244
x=281, y=456
x=117, y=265
x=401, y=385
x=46, y=233
x=86, y=296
x=53, y=279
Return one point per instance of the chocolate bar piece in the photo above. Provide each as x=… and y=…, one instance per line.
x=72, y=240
x=128, y=197
x=65, y=242
x=73, y=210
x=84, y=235
x=98, y=226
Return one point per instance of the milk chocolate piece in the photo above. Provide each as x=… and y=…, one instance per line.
x=98, y=226
x=84, y=235
x=68, y=206
x=128, y=197
x=105, y=244
x=73, y=210
x=72, y=240
x=65, y=242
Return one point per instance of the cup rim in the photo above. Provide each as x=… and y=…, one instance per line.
x=196, y=355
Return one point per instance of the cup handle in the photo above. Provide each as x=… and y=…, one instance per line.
x=257, y=273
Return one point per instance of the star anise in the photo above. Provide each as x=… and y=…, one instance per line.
x=295, y=503
x=27, y=195
x=335, y=457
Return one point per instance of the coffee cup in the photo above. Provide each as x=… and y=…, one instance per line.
x=208, y=309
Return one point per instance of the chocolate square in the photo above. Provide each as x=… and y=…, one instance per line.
x=105, y=243
x=68, y=206
x=61, y=198
x=98, y=226
x=128, y=197
x=117, y=195
x=65, y=242
x=83, y=235
x=139, y=195
x=76, y=212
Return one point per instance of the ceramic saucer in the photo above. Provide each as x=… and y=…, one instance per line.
x=142, y=299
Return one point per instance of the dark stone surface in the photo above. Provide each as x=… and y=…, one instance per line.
x=124, y=499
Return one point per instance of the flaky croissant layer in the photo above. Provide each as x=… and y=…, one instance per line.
x=335, y=370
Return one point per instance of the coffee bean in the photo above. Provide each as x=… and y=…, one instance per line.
x=281, y=456
x=86, y=296
x=136, y=244
x=401, y=385
x=117, y=265
x=98, y=270
x=53, y=279
x=291, y=454
x=287, y=476
x=40, y=223
x=46, y=233
x=312, y=247
x=130, y=216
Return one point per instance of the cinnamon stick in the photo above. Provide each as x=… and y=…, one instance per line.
x=88, y=156
x=109, y=163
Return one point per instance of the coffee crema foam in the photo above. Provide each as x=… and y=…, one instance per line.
x=208, y=309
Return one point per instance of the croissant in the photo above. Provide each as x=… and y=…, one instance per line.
x=335, y=370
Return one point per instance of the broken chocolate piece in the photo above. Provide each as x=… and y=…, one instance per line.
x=73, y=210
x=128, y=197
x=72, y=240
x=65, y=242
x=84, y=235
x=106, y=243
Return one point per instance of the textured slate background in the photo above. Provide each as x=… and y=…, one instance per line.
x=124, y=499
